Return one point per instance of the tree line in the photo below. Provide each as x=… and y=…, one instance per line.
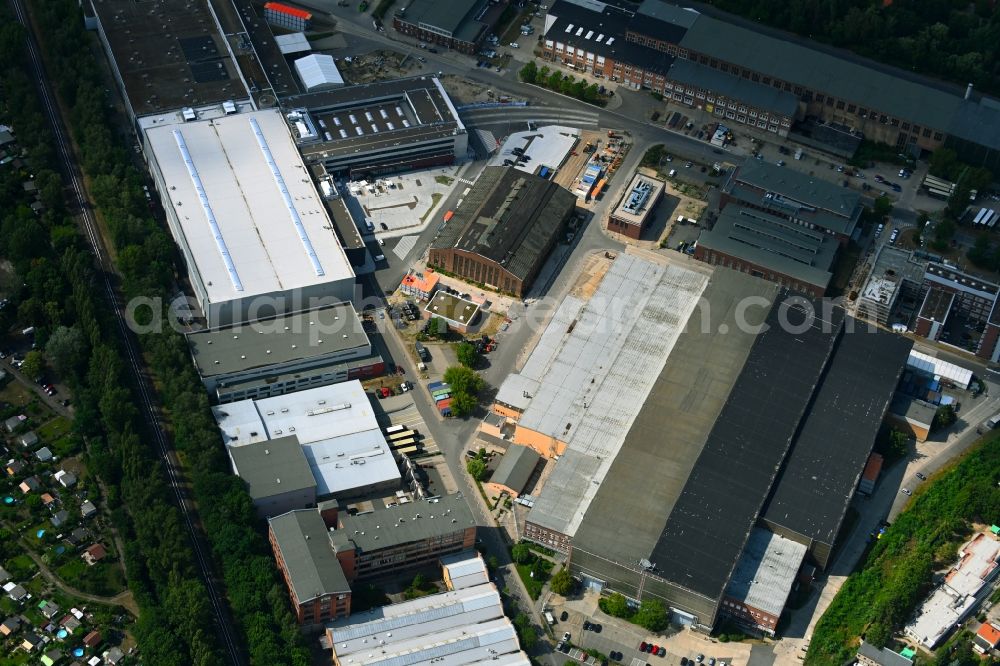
x=60, y=290
x=958, y=42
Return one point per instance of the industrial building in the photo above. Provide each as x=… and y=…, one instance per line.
x=287, y=17
x=318, y=71
x=316, y=584
x=762, y=580
x=638, y=200
x=505, y=228
x=381, y=127
x=516, y=468
x=459, y=313
x=253, y=232
x=461, y=25
x=465, y=626
x=747, y=442
x=464, y=570
x=277, y=475
x=965, y=586
x=336, y=427
x=284, y=354
x=767, y=79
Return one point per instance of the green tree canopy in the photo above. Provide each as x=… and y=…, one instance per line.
x=652, y=616
x=34, y=365
x=562, y=582
x=616, y=605
x=66, y=349
x=521, y=554
x=476, y=469
x=467, y=354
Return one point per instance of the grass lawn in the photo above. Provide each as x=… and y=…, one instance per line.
x=20, y=567
x=435, y=197
x=104, y=578
x=53, y=429
x=534, y=586
x=16, y=394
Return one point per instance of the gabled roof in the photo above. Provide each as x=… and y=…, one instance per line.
x=313, y=569
x=516, y=467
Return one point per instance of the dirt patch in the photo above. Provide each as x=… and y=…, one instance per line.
x=379, y=65
x=591, y=273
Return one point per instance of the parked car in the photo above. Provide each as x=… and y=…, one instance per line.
x=642, y=646
x=906, y=491
x=566, y=637
x=563, y=616
x=921, y=476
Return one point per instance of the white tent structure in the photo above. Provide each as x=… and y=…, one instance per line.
x=318, y=72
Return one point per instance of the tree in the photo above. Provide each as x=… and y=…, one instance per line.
x=34, y=365
x=897, y=444
x=555, y=80
x=529, y=72
x=467, y=354
x=882, y=207
x=615, y=605
x=521, y=554
x=476, y=469
x=463, y=380
x=66, y=349
x=652, y=616
x=562, y=582
x=944, y=417
x=463, y=404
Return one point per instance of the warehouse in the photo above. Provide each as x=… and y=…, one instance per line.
x=459, y=24
x=636, y=205
x=464, y=626
x=252, y=231
x=284, y=354
x=514, y=471
x=698, y=463
x=464, y=570
x=318, y=72
x=382, y=127
x=503, y=232
x=336, y=427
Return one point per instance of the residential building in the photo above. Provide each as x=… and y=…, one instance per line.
x=633, y=211
x=461, y=25
x=94, y=554
x=465, y=626
x=28, y=439
x=277, y=475
x=336, y=428
x=87, y=509
x=252, y=231
x=30, y=485
x=420, y=285
x=43, y=454
x=464, y=570
x=505, y=228
x=764, y=577
x=65, y=479
x=381, y=127
x=869, y=655
x=514, y=471
x=987, y=638
x=315, y=580
x=10, y=626
x=284, y=354
x=964, y=587
x=409, y=536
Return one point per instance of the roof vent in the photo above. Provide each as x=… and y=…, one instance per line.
x=268, y=351
x=267, y=452
x=294, y=346
x=279, y=481
x=243, y=356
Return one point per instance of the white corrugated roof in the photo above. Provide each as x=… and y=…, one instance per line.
x=318, y=71
x=251, y=218
x=293, y=43
x=935, y=366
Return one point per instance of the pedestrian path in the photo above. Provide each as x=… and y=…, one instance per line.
x=405, y=246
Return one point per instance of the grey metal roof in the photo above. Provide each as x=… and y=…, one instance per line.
x=883, y=656
x=862, y=83
x=414, y=521
x=272, y=467
x=978, y=122
x=509, y=217
x=764, y=97
x=444, y=16
x=766, y=571
x=814, y=488
x=277, y=341
x=914, y=410
x=516, y=467
x=313, y=569
x=773, y=243
x=665, y=15
x=796, y=188
x=711, y=521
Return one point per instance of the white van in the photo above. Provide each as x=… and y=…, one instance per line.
x=379, y=257
x=673, y=173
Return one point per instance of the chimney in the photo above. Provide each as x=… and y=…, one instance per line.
x=968, y=91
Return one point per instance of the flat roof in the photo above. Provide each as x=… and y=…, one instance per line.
x=420, y=101
x=638, y=199
x=814, y=489
x=405, y=523
x=764, y=576
x=280, y=340
x=509, y=217
x=937, y=304
x=313, y=568
x=335, y=424
x=672, y=426
x=243, y=201
x=452, y=308
x=547, y=146
x=913, y=410
x=768, y=98
x=457, y=18
x=744, y=451
x=295, y=42
x=272, y=467
x=956, y=279
x=169, y=54
x=931, y=365
x=591, y=404
x=976, y=563
x=793, y=188
x=773, y=244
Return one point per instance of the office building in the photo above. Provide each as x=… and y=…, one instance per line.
x=277, y=475
x=633, y=211
x=503, y=232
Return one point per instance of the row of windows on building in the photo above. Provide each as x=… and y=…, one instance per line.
x=763, y=619
x=482, y=272
x=726, y=261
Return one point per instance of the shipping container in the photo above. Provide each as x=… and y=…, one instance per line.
x=441, y=395
x=450, y=214
x=543, y=172
x=433, y=386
